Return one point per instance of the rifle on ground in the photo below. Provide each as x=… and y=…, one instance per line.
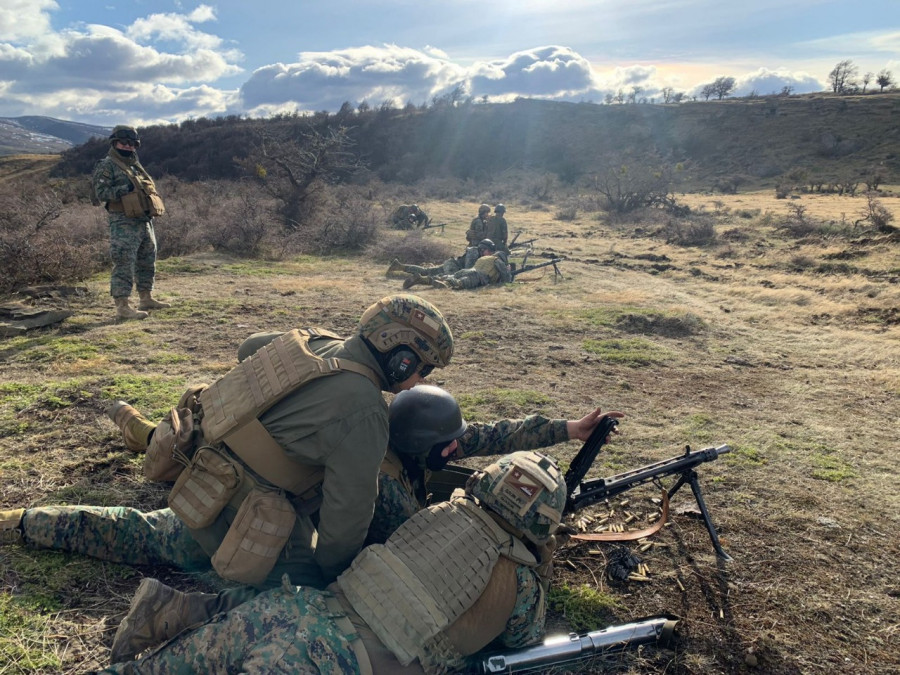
x=520, y=269
x=564, y=649
x=429, y=226
x=582, y=492
x=521, y=244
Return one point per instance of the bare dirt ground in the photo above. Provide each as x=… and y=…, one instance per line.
x=786, y=349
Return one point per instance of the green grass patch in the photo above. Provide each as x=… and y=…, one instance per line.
x=585, y=608
x=268, y=268
x=503, y=402
x=152, y=395
x=831, y=467
x=49, y=349
x=181, y=266
x=741, y=456
x=193, y=308
x=628, y=352
x=24, y=637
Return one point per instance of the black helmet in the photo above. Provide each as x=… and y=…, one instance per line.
x=123, y=132
x=488, y=244
x=500, y=209
x=423, y=417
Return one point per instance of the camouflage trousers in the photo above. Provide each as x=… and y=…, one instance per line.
x=132, y=247
x=284, y=630
x=115, y=533
x=449, y=266
x=467, y=279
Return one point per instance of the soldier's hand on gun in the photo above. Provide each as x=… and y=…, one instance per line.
x=581, y=429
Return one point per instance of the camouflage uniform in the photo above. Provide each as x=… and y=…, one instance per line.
x=487, y=270
x=132, y=241
x=405, y=217
x=477, y=230
x=497, y=231
x=449, y=266
x=397, y=501
x=302, y=630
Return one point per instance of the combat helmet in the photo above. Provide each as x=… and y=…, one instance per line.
x=487, y=244
x=526, y=489
x=406, y=320
x=484, y=208
x=500, y=209
x=423, y=418
x=124, y=132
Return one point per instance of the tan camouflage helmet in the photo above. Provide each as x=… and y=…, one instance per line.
x=124, y=132
x=406, y=319
x=524, y=488
x=484, y=208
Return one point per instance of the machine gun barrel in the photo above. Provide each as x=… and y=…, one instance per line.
x=529, y=268
x=568, y=648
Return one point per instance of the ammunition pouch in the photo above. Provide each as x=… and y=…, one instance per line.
x=256, y=537
x=171, y=446
x=139, y=204
x=205, y=487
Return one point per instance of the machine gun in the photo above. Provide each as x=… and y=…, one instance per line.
x=520, y=269
x=582, y=492
x=564, y=649
x=515, y=243
x=430, y=226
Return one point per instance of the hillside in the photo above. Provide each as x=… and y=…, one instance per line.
x=754, y=140
x=34, y=134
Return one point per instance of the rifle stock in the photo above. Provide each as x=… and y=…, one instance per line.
x=564, y=649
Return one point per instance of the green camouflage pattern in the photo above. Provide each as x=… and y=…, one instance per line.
x=115, y=533
x=404, y=318
x=497, y=231
x=132, y=241
x=284, y=630
x=396, y=501
x=526, y=622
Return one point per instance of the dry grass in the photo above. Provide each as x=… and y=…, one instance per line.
x=796, y=368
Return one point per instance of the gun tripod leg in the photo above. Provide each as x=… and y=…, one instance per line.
x=692, y=479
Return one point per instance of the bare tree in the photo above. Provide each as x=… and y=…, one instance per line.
x=841, y=76
x=707, y=91
x=667, y=93
x=866, y=78
x=884, y=79
x=723, y=86
x=294, y=165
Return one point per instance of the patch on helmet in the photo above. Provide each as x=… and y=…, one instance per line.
x=428, y=325
x=518, y=491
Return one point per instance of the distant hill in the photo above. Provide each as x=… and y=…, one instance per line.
x=743, y=141
x=35, y=135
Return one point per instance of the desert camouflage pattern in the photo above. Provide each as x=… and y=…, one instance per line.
x=115, y=533
x=397, y=502
x=132, y=241
x=284, y=630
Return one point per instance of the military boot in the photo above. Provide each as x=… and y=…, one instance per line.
x=124, y=310
x=158, y=613
x=136, y=428
x=147, y=301
x=416, y=279
x=396, y=266
x=11, y=526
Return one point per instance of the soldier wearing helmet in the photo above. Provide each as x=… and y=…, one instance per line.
x=454, y=578
x=318, y=438
x=497, y=230
x=491, y=267
x=478, y=228
x=427, y=431
x=131, y=200
x=408, y=217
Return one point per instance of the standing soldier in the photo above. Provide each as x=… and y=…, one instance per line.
x=477, y=229
x=497, y=230
x=132, y=202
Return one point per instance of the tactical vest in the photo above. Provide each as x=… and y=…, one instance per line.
x=232, y=405
x=428, y=574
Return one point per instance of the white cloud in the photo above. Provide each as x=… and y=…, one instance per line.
x=325, y=80
x=765, y=81
x=25, y=19
x=550, y=71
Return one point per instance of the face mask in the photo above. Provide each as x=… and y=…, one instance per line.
x=125, y=153
x=434, y=461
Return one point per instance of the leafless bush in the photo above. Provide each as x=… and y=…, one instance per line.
x=340, y=219
x=413, y=248
x=41, y=241
x=877, y=214
x=567, y=213
x=697, y=230
x=798, y=223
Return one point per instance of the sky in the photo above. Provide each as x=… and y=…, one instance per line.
x=162, y=61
